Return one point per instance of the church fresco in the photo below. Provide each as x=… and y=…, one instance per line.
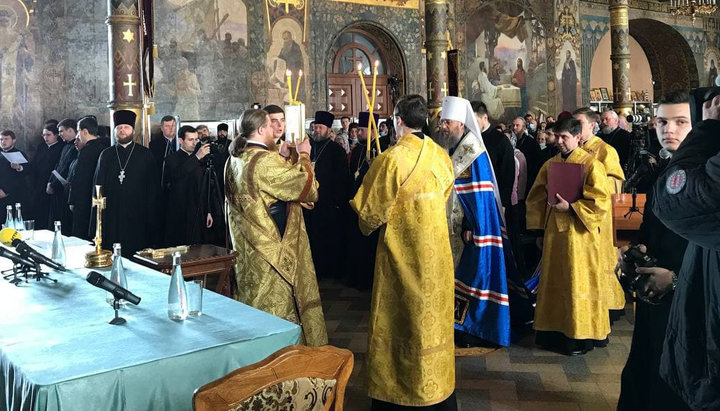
x=506, y=61
x=711, y=62
x=17, y=49
x=286, y=52
x=567, y=73
x=201, y=71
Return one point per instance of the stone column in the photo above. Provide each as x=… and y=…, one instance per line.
x=124, y=36
x=436, y=46
x=620, y=56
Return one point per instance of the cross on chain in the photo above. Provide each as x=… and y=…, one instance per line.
x=121, y=176
x=129, y=84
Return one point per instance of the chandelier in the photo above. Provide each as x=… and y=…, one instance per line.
x=692, y=7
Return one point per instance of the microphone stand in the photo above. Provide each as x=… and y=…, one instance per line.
x=116, y=306
x=26, y=271
x=633, y=207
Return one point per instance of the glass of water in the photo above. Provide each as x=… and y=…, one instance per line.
x=195, y=298
x=29, y=226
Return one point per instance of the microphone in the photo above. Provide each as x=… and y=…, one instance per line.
x=99, y=280
x=11, y=237
x=15, y=258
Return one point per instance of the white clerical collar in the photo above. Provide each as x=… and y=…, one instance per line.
x=188, y=152
x=50, y=145
x=485, y=129
x=126, y=144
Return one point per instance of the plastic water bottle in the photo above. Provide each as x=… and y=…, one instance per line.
x=19, y=224
x=58, y=247
x=117, y=274
x=177, y=294
x=9, y=220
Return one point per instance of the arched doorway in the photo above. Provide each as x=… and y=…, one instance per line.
x=660, y=52
x=364, y=44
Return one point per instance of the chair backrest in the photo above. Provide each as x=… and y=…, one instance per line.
x=311, y=378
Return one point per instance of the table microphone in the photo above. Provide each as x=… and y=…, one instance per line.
x=99, y=280
x=12, y=238
x=15, y=258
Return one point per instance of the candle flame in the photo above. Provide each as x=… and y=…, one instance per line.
x=377, y=63
x=300, y=73
x=359, y=66
x=288, y=73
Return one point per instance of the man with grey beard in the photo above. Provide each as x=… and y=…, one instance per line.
x=324, y=222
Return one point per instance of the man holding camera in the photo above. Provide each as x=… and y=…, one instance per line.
x=182, y=181
x=687, y=201
x=641, y=387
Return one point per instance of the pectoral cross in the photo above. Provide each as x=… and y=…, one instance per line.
x=121, y=176
x=129, y=84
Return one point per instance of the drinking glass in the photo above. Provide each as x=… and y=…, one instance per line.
x=195, y=297
x=29, y=229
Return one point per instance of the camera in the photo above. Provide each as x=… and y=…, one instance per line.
x=698, y=97
x=630, y=280
x=214, y=149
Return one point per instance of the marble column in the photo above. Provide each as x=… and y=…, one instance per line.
x=124, y=50
x=436, y=46
x=620, y=56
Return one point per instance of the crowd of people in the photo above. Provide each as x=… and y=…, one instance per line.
x=448, y=232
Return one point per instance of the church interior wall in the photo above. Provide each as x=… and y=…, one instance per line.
x=640, y=73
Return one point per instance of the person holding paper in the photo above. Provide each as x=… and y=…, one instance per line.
x=58, y=182
x=46, y=158
x=275, y=271
x=571, y=315
x=12, y=189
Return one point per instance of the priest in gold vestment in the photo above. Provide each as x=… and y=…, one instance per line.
x=411, y=355
x=605, y=154
x=274, y=268
x=571, y=315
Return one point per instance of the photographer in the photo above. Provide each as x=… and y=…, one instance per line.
x=182, y=181
x=687, y=201
x=641, y=386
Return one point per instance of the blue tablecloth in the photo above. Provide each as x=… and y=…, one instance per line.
x=58, y=352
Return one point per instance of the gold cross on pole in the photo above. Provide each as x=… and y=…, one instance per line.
x=99, y=202
x=129, y=84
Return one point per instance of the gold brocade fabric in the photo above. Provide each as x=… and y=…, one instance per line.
x=411, y=350
x=572, y=292
x=274, y=275
x=606, y=154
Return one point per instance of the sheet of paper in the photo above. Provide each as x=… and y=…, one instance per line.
x=59, y=177
x=15, y=157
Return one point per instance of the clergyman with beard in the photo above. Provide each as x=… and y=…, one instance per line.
x=325, y=222
x=130, y=181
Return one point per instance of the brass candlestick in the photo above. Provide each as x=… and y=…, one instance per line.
x=99, y=257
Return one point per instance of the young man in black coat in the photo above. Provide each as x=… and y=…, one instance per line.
x=12, y=175
x=641, y=386
x=687, y=201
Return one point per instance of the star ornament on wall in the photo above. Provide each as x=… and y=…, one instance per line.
x=128, y=35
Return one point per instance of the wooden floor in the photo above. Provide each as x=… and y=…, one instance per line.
x=521, y=377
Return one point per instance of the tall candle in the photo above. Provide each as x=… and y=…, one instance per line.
x=297, y=86
x=288, y=75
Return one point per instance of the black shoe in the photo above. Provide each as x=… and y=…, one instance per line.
x=601, y=343
x=574, y=353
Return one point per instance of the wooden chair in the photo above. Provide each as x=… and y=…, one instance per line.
x=274, y=380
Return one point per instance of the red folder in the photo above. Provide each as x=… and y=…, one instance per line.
x=565, y=179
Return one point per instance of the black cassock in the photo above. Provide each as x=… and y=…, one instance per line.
x=324, y=223
x=81, y=187
x=40, y=169
x=360, y=255
x=641, y=386
x=131, y=216
x=11, y=182
x=59, y=210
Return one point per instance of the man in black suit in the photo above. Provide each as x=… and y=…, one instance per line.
x=163, y=145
